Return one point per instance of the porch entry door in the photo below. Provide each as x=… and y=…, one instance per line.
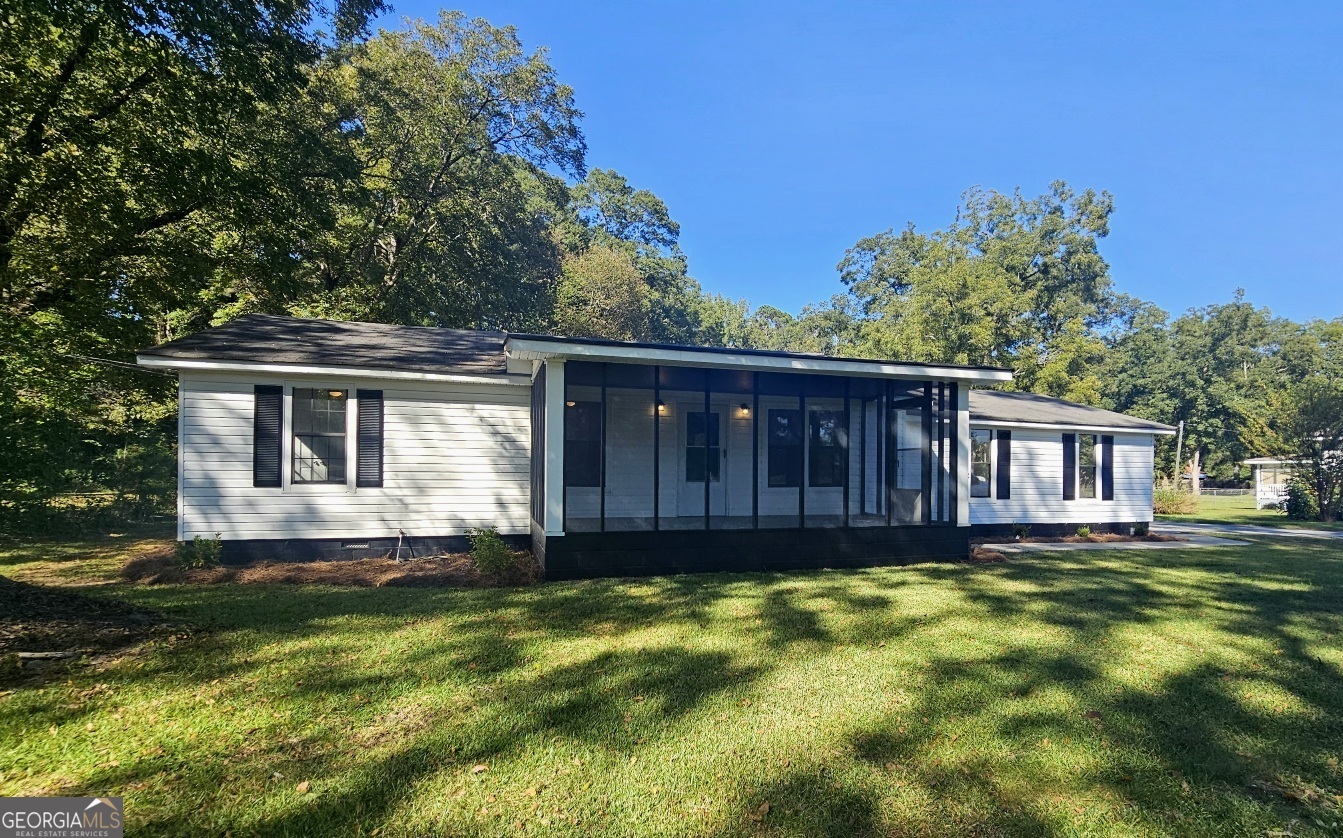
x=703, y=447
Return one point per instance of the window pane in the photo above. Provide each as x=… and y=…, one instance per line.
x=981, y=464
x=784, y=449
x=826, y=452
x=319, y=435
x=1086, y=465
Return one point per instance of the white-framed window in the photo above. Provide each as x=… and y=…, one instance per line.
x=320, y=450
x=319, y=438
x=981, y=463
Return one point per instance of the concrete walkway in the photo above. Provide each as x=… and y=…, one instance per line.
x=1059, y=546
x=1179, y=528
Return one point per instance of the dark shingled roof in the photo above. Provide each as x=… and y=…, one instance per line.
x=270, y=339
x=999, y=406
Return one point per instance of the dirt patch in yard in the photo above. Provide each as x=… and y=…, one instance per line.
x=445, y=571
x=44, y=629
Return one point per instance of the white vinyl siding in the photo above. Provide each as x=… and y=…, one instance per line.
x=454, y=456
x=1037, y=483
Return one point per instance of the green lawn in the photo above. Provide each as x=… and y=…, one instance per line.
x=1190, y=692
x=1241, y=509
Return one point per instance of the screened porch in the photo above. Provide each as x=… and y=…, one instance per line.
x=650, y=448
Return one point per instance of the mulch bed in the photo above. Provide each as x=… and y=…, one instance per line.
x=445, y=571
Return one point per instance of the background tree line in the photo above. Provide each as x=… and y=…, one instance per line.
x=170, y=164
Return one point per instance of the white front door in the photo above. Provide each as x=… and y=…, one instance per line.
x=703, y=447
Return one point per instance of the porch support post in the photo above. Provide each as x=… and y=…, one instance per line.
x=601, y=482
x=961, y=488
x=889, y=433
x=706, y=449
x=806, y=458
x=927, y=453
x=848, y=463
x=657, y=448
x=554, y=522
x=755, y=450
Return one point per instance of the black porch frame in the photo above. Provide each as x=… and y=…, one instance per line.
x=760, y=542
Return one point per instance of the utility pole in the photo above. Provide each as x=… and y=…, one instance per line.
x=1179, y=452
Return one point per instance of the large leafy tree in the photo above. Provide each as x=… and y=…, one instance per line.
x=461, y=137
x=1213, y=368
x=1014, y=281
x=134, y=136
x=606, y=211
x=1313, y=438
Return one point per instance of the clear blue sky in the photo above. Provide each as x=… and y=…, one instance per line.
x=781, y=133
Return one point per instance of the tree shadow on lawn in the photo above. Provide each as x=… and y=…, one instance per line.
x=1205, y=730
x=1146, y=740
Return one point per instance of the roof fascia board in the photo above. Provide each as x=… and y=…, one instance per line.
x=1065, y=426
x=533, y=349
x=512, y=380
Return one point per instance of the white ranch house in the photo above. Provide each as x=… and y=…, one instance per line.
x=309, y=438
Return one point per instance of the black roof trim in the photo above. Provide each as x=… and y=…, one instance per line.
x=766, y=353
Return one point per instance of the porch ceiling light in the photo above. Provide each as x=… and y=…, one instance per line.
x=570, y=404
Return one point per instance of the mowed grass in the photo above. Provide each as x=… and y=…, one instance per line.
x=1241, y=509
x=1189, y=692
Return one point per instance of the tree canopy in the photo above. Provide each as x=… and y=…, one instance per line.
x=170, y=164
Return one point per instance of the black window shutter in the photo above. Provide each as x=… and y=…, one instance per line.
x=369, y=441
x=1070, y=466
x=1004, y=465
x=1107, y=467
x=267, y=422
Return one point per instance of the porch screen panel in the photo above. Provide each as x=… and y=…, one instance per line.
x=867, y=461
x=908, y=444
x=690, y=449
x=731, y=397
x=782, y=450
x=630, y=453
x=583, y=450
x=827, y=444
x=944, y=452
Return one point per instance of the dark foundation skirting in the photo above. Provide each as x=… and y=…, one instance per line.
x=335, y=549
x=590, y=555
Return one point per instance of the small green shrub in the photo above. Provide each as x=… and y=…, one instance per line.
x=1142, y=529
x=1170, y=499
x=1084, y=531
x=488, y=550
x=1020, y=531
x=1300, y=502
x=200, y=552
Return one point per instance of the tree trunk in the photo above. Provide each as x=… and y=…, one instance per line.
x=1194, y=471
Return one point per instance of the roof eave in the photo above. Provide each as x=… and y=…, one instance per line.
x=538, y=349
x=1158, y=430
x=323, y=370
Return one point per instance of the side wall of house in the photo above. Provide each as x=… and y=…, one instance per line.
x=454, y=456
x=1037, y=484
